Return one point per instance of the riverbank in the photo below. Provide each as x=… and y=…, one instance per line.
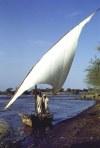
x=82, y=131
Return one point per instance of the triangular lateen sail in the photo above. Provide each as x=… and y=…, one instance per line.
x=54, y=66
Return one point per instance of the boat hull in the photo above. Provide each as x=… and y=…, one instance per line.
x=37, y=121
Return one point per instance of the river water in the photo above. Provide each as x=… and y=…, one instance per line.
x=62, y=107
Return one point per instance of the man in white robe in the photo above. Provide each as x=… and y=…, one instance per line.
x=46, y=100
x=39, y=103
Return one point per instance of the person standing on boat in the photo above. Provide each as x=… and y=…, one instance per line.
x=39, y=103
x=45, y=100
x=42, y=104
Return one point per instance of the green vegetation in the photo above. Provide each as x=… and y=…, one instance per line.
x=93, y=73
x=98, y=48
x=93, y=78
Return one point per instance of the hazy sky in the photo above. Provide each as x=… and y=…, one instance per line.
x=28, y=28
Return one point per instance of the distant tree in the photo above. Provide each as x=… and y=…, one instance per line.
x=98, y=48
x=61, y=90
x=27, y=92
x=0, y=92
x=9, y=91
x=93, y=73
x=85, y=90
x=68, y=90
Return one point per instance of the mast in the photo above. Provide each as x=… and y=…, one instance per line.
x=35, y=99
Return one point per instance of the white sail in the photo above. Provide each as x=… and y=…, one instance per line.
x=54, y=66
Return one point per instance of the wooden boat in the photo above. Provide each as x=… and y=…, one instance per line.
x=37, y=121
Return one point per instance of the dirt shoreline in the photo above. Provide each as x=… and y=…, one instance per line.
x=82, y=131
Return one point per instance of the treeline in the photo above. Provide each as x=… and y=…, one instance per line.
x=11, y=91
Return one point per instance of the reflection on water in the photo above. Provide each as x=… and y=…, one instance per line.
x=63, y=107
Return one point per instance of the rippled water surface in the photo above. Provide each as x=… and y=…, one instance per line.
x=62, y=107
